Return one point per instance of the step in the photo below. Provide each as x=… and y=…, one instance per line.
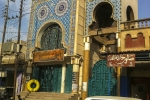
x=22, y=94
x=32, y=99
x=49, y=96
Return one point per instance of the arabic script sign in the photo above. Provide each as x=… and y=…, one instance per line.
x=48, y=55
x=122, y=60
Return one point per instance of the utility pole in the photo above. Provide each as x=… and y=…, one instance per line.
x=5, y=25
x=4, y=32
x=18, y=49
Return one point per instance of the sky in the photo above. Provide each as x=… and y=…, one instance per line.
x=144, y=9
x=12, y=24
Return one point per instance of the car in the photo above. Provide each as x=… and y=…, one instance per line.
x=110, y=98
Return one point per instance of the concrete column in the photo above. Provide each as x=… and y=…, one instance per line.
x=86, y=67
x=119, y=67
x=75, y=75
x=80, y=78
x=63, y=78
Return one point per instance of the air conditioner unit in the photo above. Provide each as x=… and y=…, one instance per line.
x=8, y=59
x=9, y=47
x=3, y=73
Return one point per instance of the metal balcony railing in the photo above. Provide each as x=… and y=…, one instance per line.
x=135, y=24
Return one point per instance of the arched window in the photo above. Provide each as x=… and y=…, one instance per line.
x=128, y=41
x=129, y=13
x=140, y=40
x=51, y=38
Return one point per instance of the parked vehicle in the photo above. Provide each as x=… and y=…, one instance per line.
x=110, y=98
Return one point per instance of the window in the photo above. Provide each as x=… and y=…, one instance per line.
x=51, y=38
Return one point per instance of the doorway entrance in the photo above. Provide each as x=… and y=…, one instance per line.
x=140, y=88
x=49, y=77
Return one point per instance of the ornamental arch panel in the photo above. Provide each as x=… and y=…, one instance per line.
x=44, y=26
x=103, y=15
x=51, y=38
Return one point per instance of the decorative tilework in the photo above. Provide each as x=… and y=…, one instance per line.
x=67, y=20
x=61, y=8
x=43, y=12
x=92, y=4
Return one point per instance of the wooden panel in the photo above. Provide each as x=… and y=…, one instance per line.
x=49, y=55
x=103, y=31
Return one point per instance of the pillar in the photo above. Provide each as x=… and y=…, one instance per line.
x=63, y=78
x=119, y=67
x=80, y=78
x=86, y=66
x=75, y=74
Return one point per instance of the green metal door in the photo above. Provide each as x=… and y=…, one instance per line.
x=56, y=80
x=103, y=82
x=46, y=76
x=35, y=73
x=68, y=80
x=49, y=77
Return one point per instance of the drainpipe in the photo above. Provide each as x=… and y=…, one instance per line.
x=86, y=67
x=63, y=78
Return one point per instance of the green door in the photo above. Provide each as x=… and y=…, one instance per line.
x=68, y=80
x=103, y=82
x=56, y=80
x=35, y=72
x=49, y=77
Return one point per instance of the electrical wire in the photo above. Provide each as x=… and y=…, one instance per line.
x=14, y=22
x=13, y=10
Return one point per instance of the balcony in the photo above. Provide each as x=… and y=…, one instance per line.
x=104, y=31
x=135, y=35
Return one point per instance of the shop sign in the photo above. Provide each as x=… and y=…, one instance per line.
x=48, y=55
x=121, y=60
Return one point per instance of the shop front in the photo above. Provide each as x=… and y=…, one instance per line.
x=48, y=69
x=134, y=74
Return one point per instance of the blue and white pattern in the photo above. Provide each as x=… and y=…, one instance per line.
x=61, y=8
x=92, y=4
x=65, y=15
x=43, y=12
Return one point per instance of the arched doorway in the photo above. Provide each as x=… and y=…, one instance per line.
x=103, y=15
x=103, y=81
x=49, y=75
